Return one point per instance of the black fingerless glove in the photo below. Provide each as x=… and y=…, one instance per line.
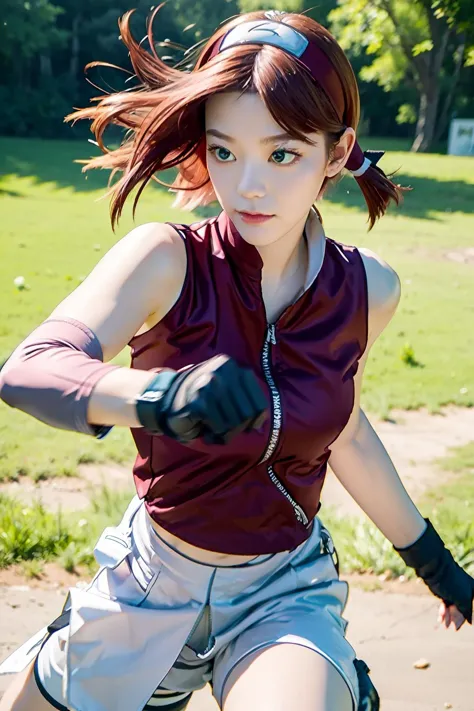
x=215, y=399
x=153, y=403
x=435, y=565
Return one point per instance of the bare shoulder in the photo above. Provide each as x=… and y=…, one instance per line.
x=135, y=283
x=384, y=291
x=153, y=241
x=147, y=265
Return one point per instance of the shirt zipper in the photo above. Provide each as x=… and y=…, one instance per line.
x=270, y=340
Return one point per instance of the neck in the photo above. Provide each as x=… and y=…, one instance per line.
x=289, y=255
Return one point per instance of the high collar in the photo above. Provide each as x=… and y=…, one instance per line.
x=247, y=257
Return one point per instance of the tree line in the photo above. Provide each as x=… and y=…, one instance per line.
x=414, y=58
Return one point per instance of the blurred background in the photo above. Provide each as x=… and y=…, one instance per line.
x=413, y=57
x=414, y=61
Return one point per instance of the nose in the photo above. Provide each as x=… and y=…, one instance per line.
x=251, y=184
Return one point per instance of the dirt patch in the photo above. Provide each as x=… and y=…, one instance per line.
x=70, y=493
x=462, y=256
x=52, y=577
x=414, y=440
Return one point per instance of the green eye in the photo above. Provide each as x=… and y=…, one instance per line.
x=283, y=157
x=223, y=155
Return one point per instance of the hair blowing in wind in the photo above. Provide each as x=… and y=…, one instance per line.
x=165, y=118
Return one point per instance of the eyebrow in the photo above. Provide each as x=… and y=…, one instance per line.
x=268, y=139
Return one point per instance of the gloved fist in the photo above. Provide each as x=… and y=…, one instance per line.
x=435, y=565
x=216, y=400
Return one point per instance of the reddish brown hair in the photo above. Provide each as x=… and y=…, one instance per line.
x=165, y=112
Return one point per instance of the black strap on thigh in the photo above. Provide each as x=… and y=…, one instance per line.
x=369, y=699
x=59, y=622
x=168, y=702
x=63, y=619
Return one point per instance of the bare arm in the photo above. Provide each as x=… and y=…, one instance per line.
x=358, y=458
x=133, y=286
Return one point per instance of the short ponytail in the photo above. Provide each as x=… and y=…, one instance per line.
x=378, y=191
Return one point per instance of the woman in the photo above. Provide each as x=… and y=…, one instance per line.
x=257, y=328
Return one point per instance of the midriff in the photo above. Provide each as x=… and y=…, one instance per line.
x=199, y=554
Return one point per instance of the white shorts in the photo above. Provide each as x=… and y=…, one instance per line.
x=153, y=618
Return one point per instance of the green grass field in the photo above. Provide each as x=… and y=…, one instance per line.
x=54, y=228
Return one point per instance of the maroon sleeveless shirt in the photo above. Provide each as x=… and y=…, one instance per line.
x=259, y=493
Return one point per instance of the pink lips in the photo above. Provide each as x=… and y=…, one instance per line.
x=254, y=218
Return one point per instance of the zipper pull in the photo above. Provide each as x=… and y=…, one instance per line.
x=271, y=337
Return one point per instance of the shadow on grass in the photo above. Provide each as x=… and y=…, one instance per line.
x=53, y=162
x=10, y=193
x=427, y=196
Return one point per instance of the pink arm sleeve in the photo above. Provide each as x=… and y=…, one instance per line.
x=52, y=373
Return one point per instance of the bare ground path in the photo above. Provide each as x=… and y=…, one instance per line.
x=389, y=630
x=414, y=441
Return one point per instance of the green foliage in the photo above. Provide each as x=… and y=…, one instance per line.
x=408, y=356
x=31, y=534
x=32, y=568
x=29, y=27
x=29, y=112
x=361, y=26
x=361, y=547
x=425, y=46
x=45, y=44
x=284, y=5
x=388, y=70
x=414, y=49
x=406, y=114
x=44, y=47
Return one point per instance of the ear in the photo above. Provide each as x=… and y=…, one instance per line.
x=340, y=153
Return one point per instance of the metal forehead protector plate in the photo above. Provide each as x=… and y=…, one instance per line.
x=277, y=34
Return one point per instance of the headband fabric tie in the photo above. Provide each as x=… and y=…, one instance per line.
x=286, y=38
x=360, y=161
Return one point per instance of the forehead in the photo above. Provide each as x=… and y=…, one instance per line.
x=240, y=112
x=243, y=116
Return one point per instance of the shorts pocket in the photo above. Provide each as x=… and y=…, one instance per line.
x=124, y=574
x=329, y=548
x=317, y=563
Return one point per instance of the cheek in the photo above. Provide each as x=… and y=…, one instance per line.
x=304, y=181
x=221, y=178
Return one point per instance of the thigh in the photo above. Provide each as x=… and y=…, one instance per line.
x=306, y=628
x=26, y=693
x=48, y=681
x=23, y=694
x=284, y=677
